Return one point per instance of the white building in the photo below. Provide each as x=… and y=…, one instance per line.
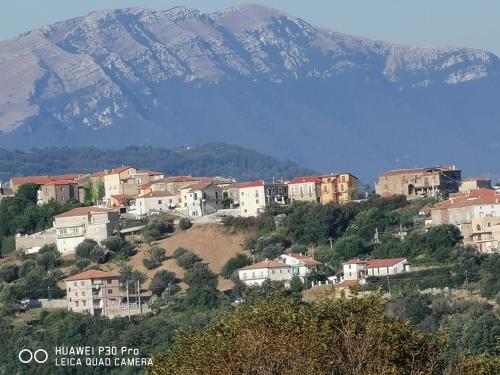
x=203, y=199
x=356, y=269
x=154, y=202
x=300, y=265
x=82, y=223
x=256, y=274
x=255, y=196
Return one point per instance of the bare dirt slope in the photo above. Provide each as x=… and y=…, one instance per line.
x=211, y=242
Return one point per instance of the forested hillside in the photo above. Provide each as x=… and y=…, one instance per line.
x=214, y=159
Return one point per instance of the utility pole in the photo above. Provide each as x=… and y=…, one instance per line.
x=389, y=285
x=48, y=290
x=139, y=295
x=128, y=302
x=331, y=242
x=466, y=278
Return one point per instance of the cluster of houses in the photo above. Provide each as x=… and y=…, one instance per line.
x=289, y=265
x=138, y=193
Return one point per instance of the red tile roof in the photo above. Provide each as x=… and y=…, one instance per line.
x=301, y=180
x=377, y=263
x=347, y=284
x=41, y=180
x=474, y=197
x=243, y=185
x=92, y=274
x=83, y=211
x=355, y=261
x=60, y=182
x=201, y=186
x=157, y=194
x=122, y=198
x=265, y=264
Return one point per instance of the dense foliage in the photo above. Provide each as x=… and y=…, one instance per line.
x=214, y=159
x=21, y=214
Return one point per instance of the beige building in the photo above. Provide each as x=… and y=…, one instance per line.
x=300, y=265
x=356, y=269
x=82, y=223
x=17, y=182
x=474, y=183
x=59, y=191
x=307, y=189
x=256, y=274
x=339, y=188
x=419, y=182
x=94, y=292
x=153, y=203
x=115, y=179
x=483, y=233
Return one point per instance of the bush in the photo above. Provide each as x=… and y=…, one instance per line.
x=161, y=281
x=187, y=260
x=150, y=264
x=9, y=272
x=185, y=224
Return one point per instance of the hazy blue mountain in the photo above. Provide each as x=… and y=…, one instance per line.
x=214, y=159
x=251, y=76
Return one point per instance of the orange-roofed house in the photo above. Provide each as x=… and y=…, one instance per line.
x=82, y=223
x=94, y=292
x=307, y=189
x=17, y=182
x=419, y=182
x=356, y=269
x=256, y=274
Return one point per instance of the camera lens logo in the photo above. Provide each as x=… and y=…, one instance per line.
x=39, y=356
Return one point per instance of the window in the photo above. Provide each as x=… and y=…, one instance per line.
x=83, y=294
x=159, y=201
x=257, y=201
x=84, y=303
x=109, y=281
x=76, y=303
x=76, y=294
x=75, y=283
x=110, y=291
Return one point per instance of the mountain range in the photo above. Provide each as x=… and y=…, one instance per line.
x=251, y=76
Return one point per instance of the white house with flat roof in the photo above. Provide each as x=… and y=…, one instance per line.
x=256, y=274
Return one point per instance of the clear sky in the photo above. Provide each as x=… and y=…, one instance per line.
x=426, y=23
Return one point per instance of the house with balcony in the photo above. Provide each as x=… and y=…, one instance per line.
x=306, y=189
x=338, y=188
x=82, y=223
x=256, y=274
x=93, y=292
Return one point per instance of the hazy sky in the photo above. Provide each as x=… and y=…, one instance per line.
x=467, y=23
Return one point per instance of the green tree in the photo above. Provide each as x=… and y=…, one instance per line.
x=9, y=272
x=234, y=264
x=161, y=281
x=200, y=276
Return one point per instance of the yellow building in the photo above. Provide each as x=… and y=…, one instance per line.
x=338, y=188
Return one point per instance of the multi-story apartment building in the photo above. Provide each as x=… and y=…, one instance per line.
x=256, y=274
x=483, y=233
x=338, y=188
x=82, y=223
x=419, y=182
x=151, y=203
x=307, y=189
x=94, y=292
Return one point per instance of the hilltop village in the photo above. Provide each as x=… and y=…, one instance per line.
x=105, y=200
